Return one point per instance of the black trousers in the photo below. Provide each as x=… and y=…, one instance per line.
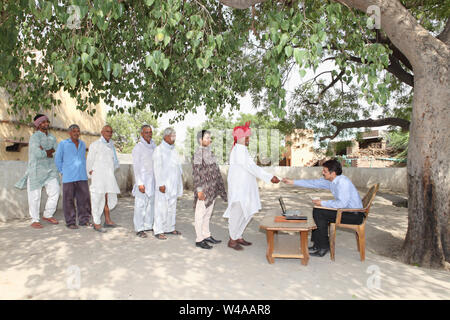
x=78, y=190
x=323, y=217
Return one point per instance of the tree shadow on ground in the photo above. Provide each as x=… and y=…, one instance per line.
x=58, y=263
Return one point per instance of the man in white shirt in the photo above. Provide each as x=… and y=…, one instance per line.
x=243, y=194
x=144, y=187
x=169, y=185
x=101, y=163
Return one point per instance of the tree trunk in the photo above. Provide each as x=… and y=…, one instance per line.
x=427, y=240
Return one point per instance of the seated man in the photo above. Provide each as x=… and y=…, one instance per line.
x=346, y=196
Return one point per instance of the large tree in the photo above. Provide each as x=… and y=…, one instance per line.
x=178, y=55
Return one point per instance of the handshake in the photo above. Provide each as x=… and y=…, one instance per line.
x=284, y=180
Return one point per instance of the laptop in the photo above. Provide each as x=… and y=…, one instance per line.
x=290, y=214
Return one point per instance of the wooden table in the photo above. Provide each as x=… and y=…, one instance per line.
x=273, y=227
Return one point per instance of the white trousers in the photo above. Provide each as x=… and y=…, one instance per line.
x=165, y=213
x=202, y=217
x=144, y=211
x=34, y=199
x=237, y=221
x=98, y=205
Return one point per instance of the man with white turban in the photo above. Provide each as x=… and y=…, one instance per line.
x=243, y=194
x=101, y=163
x=169, y=185
x=144, y=187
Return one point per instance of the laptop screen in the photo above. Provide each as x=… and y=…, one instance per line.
x=283, y=207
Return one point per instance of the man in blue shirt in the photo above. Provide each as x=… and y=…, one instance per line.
x=346, y=196
x=70, y=159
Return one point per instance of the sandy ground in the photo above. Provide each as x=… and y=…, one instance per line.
x=58, y=263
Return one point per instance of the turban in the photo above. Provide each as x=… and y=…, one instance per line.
x=39, y=120
x=241, y=132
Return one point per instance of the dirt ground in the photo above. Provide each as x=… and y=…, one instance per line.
x=58, y=263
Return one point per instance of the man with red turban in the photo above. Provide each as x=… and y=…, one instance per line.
x=243, y=195
x=41, y=172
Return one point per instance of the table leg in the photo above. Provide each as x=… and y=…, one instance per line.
x=269, y=253
x=304, y=246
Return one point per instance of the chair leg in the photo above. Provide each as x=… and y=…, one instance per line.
x=332, y=240
x=357, y=240
x=362, y=244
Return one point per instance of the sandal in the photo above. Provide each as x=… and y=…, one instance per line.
x=160, y=236
x=175, y=232
x=37, y=225
x=51, y=220
x=110, y=225
x=99, y=230
x=86, y=224
x=72, y=226
x=141, y=234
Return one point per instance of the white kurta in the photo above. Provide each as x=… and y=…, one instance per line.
x=168, y=173
x=143, y=175
x=100, y=160
x=242, y=184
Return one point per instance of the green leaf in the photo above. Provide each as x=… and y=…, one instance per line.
x=302, y=73
x=117, y=69
x=166, y=63
x=219, y=40
x=149, y=2
x=300, y=56
x=84, y=58
x=288, y=51
x=72, y=82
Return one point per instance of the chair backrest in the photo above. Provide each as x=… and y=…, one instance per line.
x=370, y=195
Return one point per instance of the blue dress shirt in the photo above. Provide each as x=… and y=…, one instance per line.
x=71, y=161
x=342, y=189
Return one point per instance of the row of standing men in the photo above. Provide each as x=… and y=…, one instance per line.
x=158, y=182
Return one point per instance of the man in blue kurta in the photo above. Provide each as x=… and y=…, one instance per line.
x=346, y=196
x=70, y=159
x=41, y=172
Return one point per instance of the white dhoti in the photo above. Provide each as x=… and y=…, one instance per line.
x=202, y=217
x=165, y=213
x=34, y=199
x=144, y=211
x=237, y=221
x=98, y=204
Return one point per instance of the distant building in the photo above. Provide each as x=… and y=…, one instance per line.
x=300, y=148
x=14, y=137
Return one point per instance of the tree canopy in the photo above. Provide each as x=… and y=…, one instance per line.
x=178, y=55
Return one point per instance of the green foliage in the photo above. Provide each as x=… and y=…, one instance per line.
x=127, y=127
x=164, y=55
x=399, y=141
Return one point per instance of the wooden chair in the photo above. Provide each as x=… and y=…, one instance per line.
x=359, y=229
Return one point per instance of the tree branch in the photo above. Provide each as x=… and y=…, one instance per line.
x=444, y=36
x=404, y=124
x=241, y=4
x=332, y=83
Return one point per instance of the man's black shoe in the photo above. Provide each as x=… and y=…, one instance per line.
x=212, y=240
x=313, y=248
x=203, y=245
x=319, y=253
